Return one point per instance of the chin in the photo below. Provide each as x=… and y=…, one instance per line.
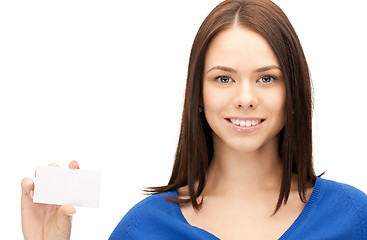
x=243, y=147
x=247, y=148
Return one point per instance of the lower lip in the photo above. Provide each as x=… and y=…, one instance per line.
x=245, y=129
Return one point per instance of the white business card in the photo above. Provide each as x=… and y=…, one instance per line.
x=78, y=187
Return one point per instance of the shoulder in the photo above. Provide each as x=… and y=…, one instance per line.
x=344, y=203
x=146, y=216
x=152, y=204
x=357, y=198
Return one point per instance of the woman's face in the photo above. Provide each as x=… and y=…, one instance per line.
x=243, y=90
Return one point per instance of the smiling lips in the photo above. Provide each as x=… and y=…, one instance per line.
x=245, y=123
x=242, y=125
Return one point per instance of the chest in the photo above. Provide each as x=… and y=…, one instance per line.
x=243, y=221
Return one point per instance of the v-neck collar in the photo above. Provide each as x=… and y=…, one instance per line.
x=293, y=228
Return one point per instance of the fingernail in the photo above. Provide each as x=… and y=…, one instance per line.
x=31, y=194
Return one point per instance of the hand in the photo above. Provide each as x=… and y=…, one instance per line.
x=45, y=221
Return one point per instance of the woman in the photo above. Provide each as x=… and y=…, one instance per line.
x=243, y=167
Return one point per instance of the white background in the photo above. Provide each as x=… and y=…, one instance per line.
x=103, y=82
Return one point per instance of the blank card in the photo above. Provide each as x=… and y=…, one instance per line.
x=55, y=185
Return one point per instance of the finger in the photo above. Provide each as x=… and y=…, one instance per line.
x=74, y=164
x=50, y=165
x=27, y=217
x=53, y=165
x=64, y=218
x=68, y=210
x=27, y=188
x=27, y=195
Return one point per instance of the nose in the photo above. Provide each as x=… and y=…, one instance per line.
x=245, y=97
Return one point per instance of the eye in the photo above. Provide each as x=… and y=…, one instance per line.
x=224, y=79
x=267, y=79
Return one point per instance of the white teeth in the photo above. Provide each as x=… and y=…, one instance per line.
x=245, y=123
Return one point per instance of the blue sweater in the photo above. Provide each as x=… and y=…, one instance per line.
x=334, y=211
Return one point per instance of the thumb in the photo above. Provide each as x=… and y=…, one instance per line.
x=63, y=220
x=27, y=190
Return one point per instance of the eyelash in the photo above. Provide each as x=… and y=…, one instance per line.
x=219, y=78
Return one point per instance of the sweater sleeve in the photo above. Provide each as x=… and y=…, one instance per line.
x=358, y=200
x=128, y=227
x=125, y=228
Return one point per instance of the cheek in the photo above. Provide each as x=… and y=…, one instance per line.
x=214, y=104
x=278, y=104
x=275, y=103
x=215, y=100
x=210, y=99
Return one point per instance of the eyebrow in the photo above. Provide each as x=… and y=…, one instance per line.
x=267, y=68
x=231, y=70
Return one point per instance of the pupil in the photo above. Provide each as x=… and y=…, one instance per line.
x=224, y=79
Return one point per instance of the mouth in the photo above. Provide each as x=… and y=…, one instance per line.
x=245, y=123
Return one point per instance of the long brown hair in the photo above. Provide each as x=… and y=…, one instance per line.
x=195, y=148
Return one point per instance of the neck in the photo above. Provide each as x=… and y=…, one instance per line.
x=236, y=172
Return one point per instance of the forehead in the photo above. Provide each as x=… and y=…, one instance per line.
x=240, y=48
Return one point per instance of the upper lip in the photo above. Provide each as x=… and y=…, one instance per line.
x=246, y=118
